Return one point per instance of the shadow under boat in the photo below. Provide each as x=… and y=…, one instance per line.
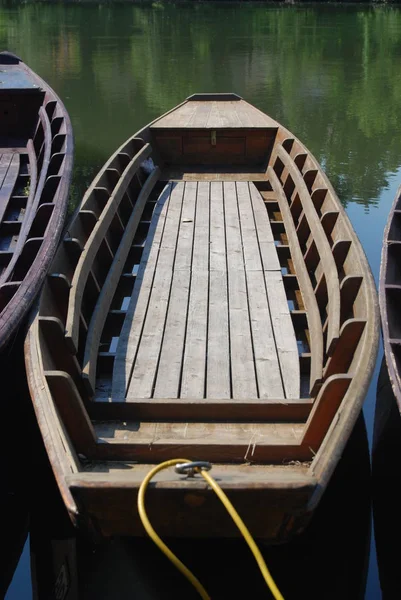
x=328, y=561
x=386, y=486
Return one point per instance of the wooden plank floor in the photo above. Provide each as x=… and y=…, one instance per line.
x=207, y=114
x=208, y=317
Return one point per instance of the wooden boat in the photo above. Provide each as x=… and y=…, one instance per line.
x=210, y=300
x=390, y=294
x=36, y=149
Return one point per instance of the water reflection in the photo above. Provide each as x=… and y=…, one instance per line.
x=330, y=74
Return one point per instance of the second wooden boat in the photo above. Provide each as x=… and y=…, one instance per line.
x=390, y=295
x=36, y=149
x=210, y=300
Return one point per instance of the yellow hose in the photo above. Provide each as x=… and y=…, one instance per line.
x=233, y=514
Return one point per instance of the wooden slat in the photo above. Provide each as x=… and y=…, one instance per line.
x=218, y=343
x=143, y=375
x=201, y=115
x=216, y=442
x=93, y=244
x=131, y=332
x=194, y=364
x=323, y=247
x=72, y=411
x=325, y=407
x=313, y=315
x=5, y=161
x=171, y=355
x=284, y=335
x=242, y=363
x=264, y=347
x=30, y=209
x=268, y=252
x=8, y=184
x=202, y=408
x=106, y=295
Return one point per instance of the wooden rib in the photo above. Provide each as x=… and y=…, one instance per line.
x=265, y=353
x=341, y=359
x=5, y=161
x=94, y=241
x=194, y=363
x=8, y=184
x=242, y=364
x=218, y=342
x=171, y=355
x=144, y=369
x=325, y=253
x=313, y=315
x=106, y=295
x=72, y=411
x=324, y=409
x=276, y=409
x=136, y=312
x=33, y=198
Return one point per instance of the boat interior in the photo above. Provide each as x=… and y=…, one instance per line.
x=215, y=312
x=32, y=150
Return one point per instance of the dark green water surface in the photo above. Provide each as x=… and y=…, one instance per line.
x=330, y=74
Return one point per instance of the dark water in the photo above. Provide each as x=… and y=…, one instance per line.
x=330, y=74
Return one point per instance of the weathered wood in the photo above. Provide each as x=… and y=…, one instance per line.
x=92, y=247
x=212, y=254
x=193, y=369
x=218, y=379
x=284, y=335
x=218, y=409
x=144, y=368
x=242, y=363
x=107, y=292
x=132, y=329
x=8, y=184
x=72, y=411
x=324, y=409
x=323, y=248
x=171, y=354
x=268, y=374
x=313, y=316
x=28, y=106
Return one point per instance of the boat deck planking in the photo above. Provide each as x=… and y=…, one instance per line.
x=209, y=315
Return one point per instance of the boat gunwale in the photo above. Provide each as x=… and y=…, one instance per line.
x=384, y=308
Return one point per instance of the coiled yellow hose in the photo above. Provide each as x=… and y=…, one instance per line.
x=230, y=509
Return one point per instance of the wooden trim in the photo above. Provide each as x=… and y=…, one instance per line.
x=323, y=247
x=35, y=191
x=324, y=409
x=92, y=246
x=313, y=315
x=107, y=292
x=72, y=411
x=198, y=409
